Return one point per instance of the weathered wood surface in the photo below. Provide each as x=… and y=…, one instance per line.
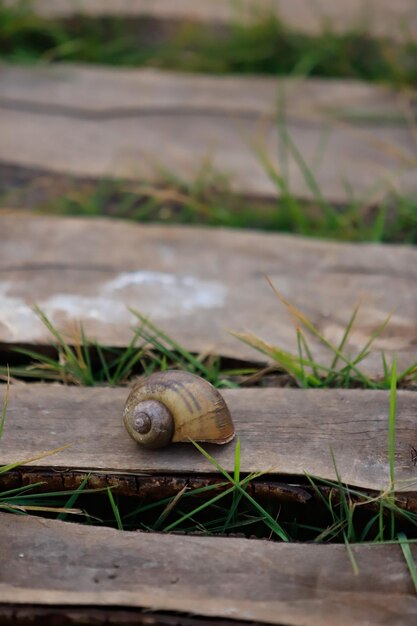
x=136, y=123
x=396, y=20
x=55, y=563
x=282, y=431
x=198, y=283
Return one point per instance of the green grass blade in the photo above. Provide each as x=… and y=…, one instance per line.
x=364, y=352
x=5, y=404
x=343, y=495
x=405, y=547
x=237, y=496
x=329, y=211
x=85, y=352
x=385, y=367
x=409, y=371
x=352, y=558
x=345, y=336
x=103, y=363
x=392, y=419
x=303, y=381
x=73, y=498
x=11, y=466
x=115, y=509
x=37, y=356
x=314, y=366
x=19, y=491
x=169, y=507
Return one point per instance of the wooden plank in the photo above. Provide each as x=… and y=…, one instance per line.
x=282, y=431
x=91, y=90
x=376, y=17
x=135, y=123
x=198, y=283
x=54, y=563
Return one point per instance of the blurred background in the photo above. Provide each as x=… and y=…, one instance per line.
x=289, y=116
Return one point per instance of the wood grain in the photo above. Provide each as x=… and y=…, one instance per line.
x=284, y=432
x=54, y=563
x=198, y=283
x=383, y=18
x=136, y=123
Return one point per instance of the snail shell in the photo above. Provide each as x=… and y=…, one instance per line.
x=174, y=406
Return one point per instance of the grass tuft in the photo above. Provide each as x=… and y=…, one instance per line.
x=81, y=361
x=263, y=46
x=209, y=200
x=268, y=519
x=305, y=371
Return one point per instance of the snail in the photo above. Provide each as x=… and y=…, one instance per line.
x=174, y=406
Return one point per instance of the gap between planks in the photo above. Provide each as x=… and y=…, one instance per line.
x=283, y=432
x=379, y=18
x=50, y=563
x=35, y=615
x=136, y=124
x=157, y=487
